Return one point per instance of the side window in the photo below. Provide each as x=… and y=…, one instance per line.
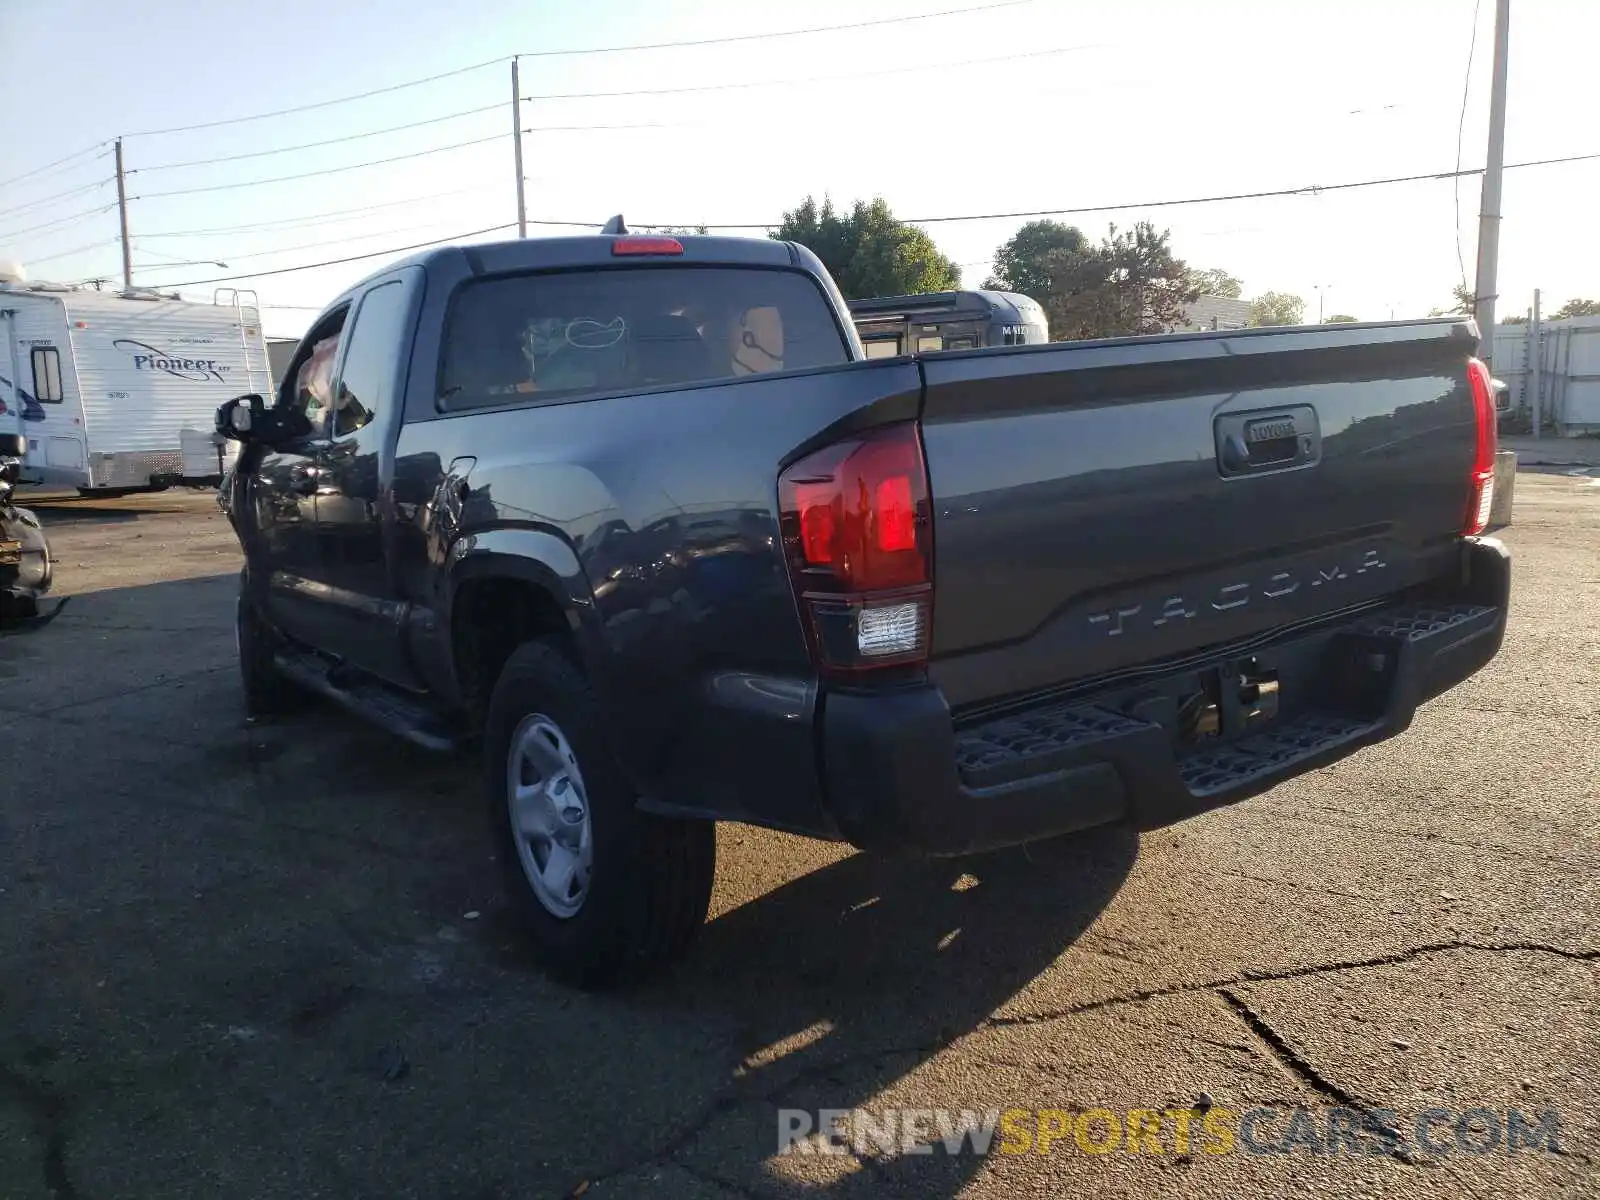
x=46, y=374
x=313, y=389
x=367, y=378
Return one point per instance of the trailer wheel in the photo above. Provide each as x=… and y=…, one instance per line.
x=605, y=894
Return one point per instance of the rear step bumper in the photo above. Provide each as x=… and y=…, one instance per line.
x=900, y=774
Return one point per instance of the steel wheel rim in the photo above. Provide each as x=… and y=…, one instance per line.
x=548, y=807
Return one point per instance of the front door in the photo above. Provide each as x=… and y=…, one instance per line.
x=283, y=490
x=287, y=563
x=365, y=609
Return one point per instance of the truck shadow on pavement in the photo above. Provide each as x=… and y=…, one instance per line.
x=849, y=979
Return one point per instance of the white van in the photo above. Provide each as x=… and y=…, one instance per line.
x=118, y=391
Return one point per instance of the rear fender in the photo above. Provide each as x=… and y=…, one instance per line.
x=536, y=557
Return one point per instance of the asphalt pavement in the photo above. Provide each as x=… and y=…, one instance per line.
x=269, y=960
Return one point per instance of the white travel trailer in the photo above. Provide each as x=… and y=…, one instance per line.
x=118, y=391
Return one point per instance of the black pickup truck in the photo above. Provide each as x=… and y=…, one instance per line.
x=634, y=516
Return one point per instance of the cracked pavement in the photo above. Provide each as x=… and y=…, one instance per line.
x=269, y=960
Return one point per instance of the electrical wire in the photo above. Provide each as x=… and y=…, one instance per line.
x=357, y=237
x=77, y=191
x=808, y=79
x=313, y=219
x=39, y=258
x=376, y=162
x=61, y=222
x=103, y=147
x=1461, y=131
x=334, y=262
x=1308, y=190
x=785, y=33
x=300, y=108
x=1300, y=191
x=354, y=137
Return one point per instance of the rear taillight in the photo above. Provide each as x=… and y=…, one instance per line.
x=1480, y=496
x=858, y=537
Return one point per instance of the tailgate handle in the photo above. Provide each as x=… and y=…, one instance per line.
x=1273, y=440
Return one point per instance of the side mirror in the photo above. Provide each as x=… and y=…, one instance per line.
x=13, y=445
x=237, y=419
x=248, y=419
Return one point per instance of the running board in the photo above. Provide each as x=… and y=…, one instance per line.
x=385, y=706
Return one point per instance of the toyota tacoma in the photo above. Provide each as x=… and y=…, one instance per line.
x=634, y=518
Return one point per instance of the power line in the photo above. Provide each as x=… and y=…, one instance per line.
x=334, y=262
x=61, y=222
x=354, y=137
x=39, y=258
x=376, y=162
x=1308, y=190
x=77, y=191
x=1312, y=190
x=785, y=33
x=102, y=147
x=358, y=237
x=299, y=108
x=761, y=83
x=313, y=218
x=1461, y=131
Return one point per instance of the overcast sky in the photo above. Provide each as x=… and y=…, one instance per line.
x=1039, y=104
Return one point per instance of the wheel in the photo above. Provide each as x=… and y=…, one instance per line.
x=605, y=894
x=266, y=692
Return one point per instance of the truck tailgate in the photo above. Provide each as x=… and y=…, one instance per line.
x=1107, y=505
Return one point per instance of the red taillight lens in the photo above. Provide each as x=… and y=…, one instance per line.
x=857, y=534
x=1480, y=495
x=646, y=245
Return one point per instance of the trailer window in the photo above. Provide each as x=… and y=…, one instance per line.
x=559, y=336
x=46, y=375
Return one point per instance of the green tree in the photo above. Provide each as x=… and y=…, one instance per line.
x=1462, y=303
x=867, y=251
x=1131, y=283
x=1024, y=263
x=1214, y=281
x=1277, y=308
x=1340, y=319
x=1577, y=308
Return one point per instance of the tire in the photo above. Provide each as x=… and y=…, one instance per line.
x=266, y=692
x=637, y=908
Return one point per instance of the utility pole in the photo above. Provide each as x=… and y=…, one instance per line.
x=516, y=135
x=1535, y=361
x=122, y=215
x=1489, y=213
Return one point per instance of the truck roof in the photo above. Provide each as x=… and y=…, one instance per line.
x=1009, y=307
x=596, y=250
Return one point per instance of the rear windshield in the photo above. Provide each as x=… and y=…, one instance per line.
x=555, y=336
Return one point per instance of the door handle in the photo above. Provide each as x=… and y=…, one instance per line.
x=1272, y=440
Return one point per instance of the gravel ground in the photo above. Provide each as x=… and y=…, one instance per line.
x=269, y=961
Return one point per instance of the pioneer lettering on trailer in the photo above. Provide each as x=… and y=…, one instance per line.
x=150, y=358
x=1114, y=622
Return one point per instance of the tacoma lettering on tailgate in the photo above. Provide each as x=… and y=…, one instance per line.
x=1169, y=609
